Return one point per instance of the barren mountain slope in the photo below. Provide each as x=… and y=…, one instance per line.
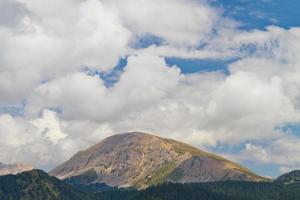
x=139, y=160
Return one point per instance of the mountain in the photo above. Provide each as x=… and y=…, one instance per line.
x=37, y=185
x=289, y=178
x=139, y=160
x=14, y=168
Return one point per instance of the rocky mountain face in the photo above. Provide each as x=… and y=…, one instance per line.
x=139, y=160
x=14, y=168
x=289, y=178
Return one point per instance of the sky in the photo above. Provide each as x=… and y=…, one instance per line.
x=222, y=75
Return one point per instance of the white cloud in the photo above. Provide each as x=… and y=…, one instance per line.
x=146, y=80
x=178, y=22
x=22, y=140
x=10, y=131
x=49, y=125
x=46, y=40
x=49, y=42
x=12, y=13
x=45, y=141
x=283, y=151
x=55, y=38
x=203, y=109
x=257, y=153
x=247, y=105
x=77, y=94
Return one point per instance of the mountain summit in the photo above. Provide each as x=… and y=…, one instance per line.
x=139, y=160
x=292, y=177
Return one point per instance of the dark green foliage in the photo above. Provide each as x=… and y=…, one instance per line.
x=118, y=194
x=37, y=185
x=83, y=182
x=289, y=178
x=209, y=191
x=84, y=178
x=176, y=192
x=176, y=175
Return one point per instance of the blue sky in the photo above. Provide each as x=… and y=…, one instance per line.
x=262, y=13
x=71, y=73
x=251, y=14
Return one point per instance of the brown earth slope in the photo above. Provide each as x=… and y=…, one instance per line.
x=138, y=160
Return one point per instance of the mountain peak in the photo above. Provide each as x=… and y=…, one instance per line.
x=289, y=178
x=138, y=159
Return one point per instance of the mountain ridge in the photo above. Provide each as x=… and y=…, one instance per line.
x=138, y=159
x=291, y=177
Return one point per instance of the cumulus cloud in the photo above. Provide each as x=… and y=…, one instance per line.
x=45, y=45
x=283, y=151
x=45, y=141
x=248, y=105
x=31, y=141
x=55, y=38
x=217, y=107
x=49, y=125
x=12, y=13
x=176, y=22
x=42, y=41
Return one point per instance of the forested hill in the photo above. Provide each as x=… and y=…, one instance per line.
x=210, y=191
x=37, y=185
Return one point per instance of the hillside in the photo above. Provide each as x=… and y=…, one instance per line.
x=37, y=185
x=140, y=160
x=229, y=190
x=289, y=178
